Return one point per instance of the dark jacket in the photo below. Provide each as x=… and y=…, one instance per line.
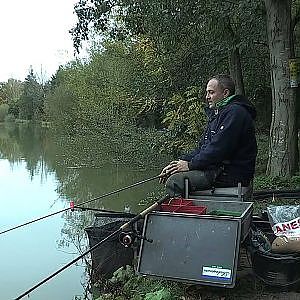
x=228, y=141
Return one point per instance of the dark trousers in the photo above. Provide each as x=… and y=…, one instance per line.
x=198, y=180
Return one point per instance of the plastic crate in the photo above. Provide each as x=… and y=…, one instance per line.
x=181, y=205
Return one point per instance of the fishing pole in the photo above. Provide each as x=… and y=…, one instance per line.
x=119, y=230
x=86, y=202
x=57, y=212
x=32, y=221
x=103, y=210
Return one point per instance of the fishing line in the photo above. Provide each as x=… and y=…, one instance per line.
x=121, y=228
x=84, y=203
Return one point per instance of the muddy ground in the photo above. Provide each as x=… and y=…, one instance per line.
x=248, y=286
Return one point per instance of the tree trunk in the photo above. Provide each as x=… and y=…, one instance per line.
x=236, y=71
x=282, y=160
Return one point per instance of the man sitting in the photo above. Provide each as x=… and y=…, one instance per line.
x=226, y=152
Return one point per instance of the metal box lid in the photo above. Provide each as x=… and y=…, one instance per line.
x=192, y=248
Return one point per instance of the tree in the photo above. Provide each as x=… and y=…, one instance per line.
x=3, y=111
x=283, y=150
x=188, y=35
x=189, y=40
x=31, y=102
x=13, y=91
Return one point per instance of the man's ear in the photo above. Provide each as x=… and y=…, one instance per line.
x=226, y=93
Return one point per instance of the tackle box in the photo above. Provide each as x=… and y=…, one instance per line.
x=242, y=211
x=200, y=249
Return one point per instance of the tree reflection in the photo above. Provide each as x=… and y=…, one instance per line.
x=84, y=167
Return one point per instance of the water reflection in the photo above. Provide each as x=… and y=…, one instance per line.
x=84, y=167
x=40, y=173
x=30, y=253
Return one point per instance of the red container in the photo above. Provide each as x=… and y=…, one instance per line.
x=181, y=205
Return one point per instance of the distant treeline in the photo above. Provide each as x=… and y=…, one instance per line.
x=151, y=67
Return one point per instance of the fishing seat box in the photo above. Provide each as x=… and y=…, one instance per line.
x=236, y=193
x=197, y=249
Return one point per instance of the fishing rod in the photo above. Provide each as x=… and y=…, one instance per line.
x=72, y=207
x=119, y=230
x=86, y=202
x=108, y=211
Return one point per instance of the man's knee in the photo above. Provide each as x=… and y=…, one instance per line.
x=175, y=185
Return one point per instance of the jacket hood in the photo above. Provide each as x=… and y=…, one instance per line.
x=236, y=99
x=243, y=101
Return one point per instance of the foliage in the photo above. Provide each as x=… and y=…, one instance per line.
x=177, y=46
x=126, y=285
x=31, y=102
x=3, y=111
x=87, y=166
x=59, y=108
x=89, y=95
x=277, y=182
x=9, y=118
x=10, y=90
x=148, y=69
x=184, y=120
x=96, y=97
x=192, y=39
x=10, y=93
x=150, y=85
x=162, y=294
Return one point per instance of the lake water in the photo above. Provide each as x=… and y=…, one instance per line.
x=38, y=176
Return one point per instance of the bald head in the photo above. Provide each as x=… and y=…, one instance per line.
x=218, y=88
x=225, y=82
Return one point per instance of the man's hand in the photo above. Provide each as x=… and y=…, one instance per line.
x=172, y=168
x=167, y=171
x=182, y=166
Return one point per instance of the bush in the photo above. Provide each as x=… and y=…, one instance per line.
x=3, y=111
x=126, y=285
x=277, y=182
x=9, y=118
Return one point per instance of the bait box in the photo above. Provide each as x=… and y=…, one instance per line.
x=180, y=205
x=198, y=249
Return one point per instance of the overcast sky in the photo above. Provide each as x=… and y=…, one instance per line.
x=35, y=32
